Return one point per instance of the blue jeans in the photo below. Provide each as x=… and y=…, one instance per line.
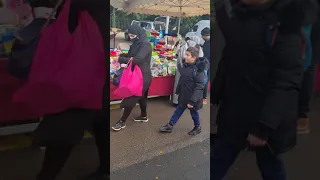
x=223, y=156
x=178, y=113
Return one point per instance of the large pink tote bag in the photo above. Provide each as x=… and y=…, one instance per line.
x=131, y=82
x=68, y=70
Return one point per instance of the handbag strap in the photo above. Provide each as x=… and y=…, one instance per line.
x=48, y=19
x=53, y=13
x=130, y=60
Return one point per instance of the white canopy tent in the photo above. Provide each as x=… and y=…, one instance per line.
x=175, y=8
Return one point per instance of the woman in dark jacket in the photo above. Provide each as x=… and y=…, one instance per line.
x=140, y=51
x=257, y=84
x=60, y=132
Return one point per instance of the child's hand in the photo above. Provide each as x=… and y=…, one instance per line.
x=189, y=106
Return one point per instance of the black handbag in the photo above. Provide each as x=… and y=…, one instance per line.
x=117, y=77
x=25, y=46
x=23, y=49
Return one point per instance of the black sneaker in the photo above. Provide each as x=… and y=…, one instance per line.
x=167, y=128
x=96, y=176
x=195, y=131
x=141, y=119
x=119, y=125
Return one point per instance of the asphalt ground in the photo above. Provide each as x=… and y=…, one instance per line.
x=189, y=163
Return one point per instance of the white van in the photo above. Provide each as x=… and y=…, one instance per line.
x=148, y=26
x=197, y=28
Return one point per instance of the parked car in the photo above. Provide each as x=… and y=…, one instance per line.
x=197, y=28
x=147, y=25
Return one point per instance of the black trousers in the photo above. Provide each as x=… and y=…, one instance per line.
x=56, y=154
x=224, y=154
x=129, y=103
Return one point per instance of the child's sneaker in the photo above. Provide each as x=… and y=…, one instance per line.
x=167, y=128
x=141, y=119
x=195, y=131
x=119, y=125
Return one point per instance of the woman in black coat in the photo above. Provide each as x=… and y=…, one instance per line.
x=60, y=132
x=141, y=52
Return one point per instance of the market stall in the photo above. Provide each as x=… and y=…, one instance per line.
x=175, y=8
x=163, y=67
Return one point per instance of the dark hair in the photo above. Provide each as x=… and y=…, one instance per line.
x=193, y=51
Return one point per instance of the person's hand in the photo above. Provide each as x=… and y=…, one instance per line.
x=255, y=141
x=189, y=106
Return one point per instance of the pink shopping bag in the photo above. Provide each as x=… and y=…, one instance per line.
x=131, y=82
x=68, y=69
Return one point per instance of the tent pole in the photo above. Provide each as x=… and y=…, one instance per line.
x=179, y=17
x=167, y=24
x=179, y=22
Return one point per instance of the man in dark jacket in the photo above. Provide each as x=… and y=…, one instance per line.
x=257, y=85
x=206, y=53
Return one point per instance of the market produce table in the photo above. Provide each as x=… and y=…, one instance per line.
x=160, y=86
x=163, y=68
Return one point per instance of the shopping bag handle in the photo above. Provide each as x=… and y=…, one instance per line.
x=130, y=61
x=48, y=19
x=53, y=13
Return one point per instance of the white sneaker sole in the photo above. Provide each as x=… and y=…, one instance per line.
x=118, y=129
x=136, y=120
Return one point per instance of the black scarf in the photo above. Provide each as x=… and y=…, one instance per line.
x=141, y=37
